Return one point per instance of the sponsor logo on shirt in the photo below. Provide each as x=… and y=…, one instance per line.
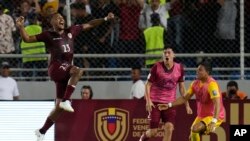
x=57, y=38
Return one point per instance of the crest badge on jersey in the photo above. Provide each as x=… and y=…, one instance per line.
x=214, y=92
x=70, y=35
x=111, y=124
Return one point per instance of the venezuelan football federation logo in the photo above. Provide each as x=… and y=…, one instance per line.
x=111, y=124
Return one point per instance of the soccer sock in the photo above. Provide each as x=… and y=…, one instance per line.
x=48, y=123
x=195, y=136
x=69, y=90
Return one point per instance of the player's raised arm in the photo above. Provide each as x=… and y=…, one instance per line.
x=97, y=22
x=23, y=33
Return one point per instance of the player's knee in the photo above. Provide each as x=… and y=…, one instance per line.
x=169, y=127
x=76, y=71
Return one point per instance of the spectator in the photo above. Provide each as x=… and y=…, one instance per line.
x=8, y=86
x=81, y=15
x=129, y=40
x=177, y=23
x=153, y=7
x=155, y=39
x=83, y=40
x=204, y=21
x=26, y=9
x=87, y=5
x=33, y=48
x=178, y=27
x=102, y=33
x=226, y=20
x=86, y=92
x=7, y=28
x=138, y=88
x=226, y=34
x=233, y=91
x=8, y=5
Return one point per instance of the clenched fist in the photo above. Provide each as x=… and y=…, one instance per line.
x=20, y=21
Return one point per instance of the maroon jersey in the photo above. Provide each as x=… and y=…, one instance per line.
x=60, y=46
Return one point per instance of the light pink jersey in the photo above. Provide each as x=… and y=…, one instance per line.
x=164, y=82
x=204, y=93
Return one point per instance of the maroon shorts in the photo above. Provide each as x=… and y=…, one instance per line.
x=166, y=116
x=60, y=74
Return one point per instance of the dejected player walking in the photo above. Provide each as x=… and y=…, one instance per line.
x=59, y=43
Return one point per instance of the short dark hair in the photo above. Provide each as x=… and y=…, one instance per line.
x=233, y=83
x=207, y=65
x=90, y=89
x=136, y=67
x=78, y=5
x=167, y=45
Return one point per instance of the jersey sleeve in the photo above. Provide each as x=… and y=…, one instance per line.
x=181, y=79
x=76, y=30
x=213, y=90
x=42, y=37
x=152, y=75
x=190, y=89
x=241, y=94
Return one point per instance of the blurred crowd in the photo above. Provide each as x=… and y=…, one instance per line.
x=190, y=26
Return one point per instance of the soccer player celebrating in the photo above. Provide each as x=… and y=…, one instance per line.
x=160, y=89
x=59, y=42
x=210, y=109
